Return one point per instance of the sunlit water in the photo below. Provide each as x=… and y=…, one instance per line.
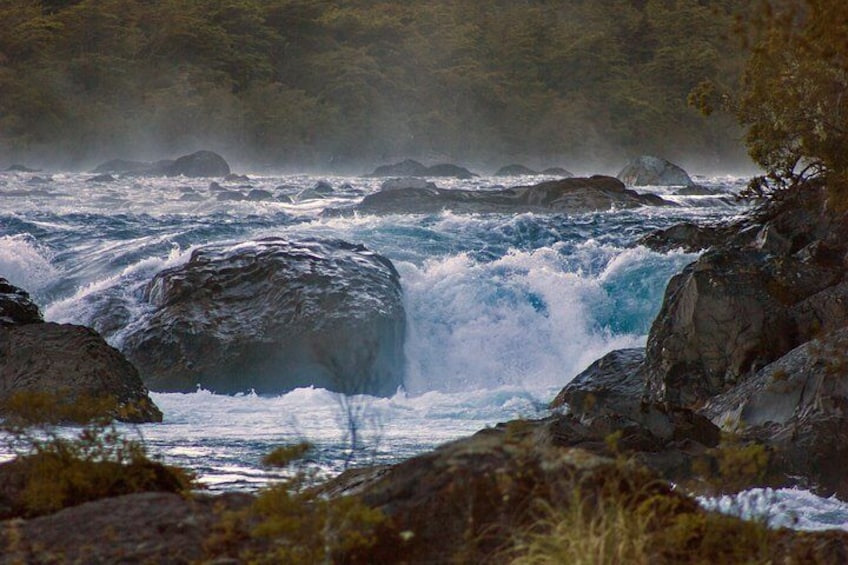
x=502, y=310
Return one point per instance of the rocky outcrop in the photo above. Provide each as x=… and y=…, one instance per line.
x=16, y=306
x=272, y=315
x=574, y=195
x=687, y=236
x=557, y=172
x=414, y=183
x=64, y=364
x=772, y=286
x=198, y=164
x=412, y=168
x=653, y=171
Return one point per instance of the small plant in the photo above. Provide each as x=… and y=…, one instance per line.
x=55, y=469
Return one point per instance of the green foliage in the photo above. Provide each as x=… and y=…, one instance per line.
x=793, y=99
x=285, y=455
x=98, y=462
x=312, y=82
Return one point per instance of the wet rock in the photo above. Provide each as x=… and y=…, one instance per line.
x=73, y=364
x=257, y=195
x=229, y=196
x=613, y=383
x=407, y=168
x=686, y=236
x=515, y=171
x=654, y=171
x=322, y=189
x=199, y=164
x=449, y=170
x=406, y=183
x=192, y=197
x=798, y=407
x=232, y=177
x=16, y=306
x=272, y=315
x=567, y=195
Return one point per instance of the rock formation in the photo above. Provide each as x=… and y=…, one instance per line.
x=272, y=315
x=654, y=171
x=574, y=195
x=67, y=363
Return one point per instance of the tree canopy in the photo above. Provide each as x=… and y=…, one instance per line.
x=794, y=95
x=321, y=83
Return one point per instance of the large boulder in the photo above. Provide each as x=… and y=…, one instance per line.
x=574, y=195
x=273, y=315
x=772, y=286
x=75, y=368
x=69, y=366
x=654, y=171
x=798, y=407
x=199, y=164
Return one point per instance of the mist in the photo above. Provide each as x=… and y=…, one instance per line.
x=313, y=87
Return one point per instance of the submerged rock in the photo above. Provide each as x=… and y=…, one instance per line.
x=567, y=196
x=407, y=182
x=654, y=171
x=558, y=172
x=273, y=315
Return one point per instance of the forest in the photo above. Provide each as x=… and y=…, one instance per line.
x=343, y=85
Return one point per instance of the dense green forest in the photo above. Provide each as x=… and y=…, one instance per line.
x=346, y=84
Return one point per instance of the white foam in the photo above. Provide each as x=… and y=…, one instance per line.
x=26, y=264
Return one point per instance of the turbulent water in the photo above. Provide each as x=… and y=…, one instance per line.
x=502, y=310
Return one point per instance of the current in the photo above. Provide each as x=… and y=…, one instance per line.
x=502, y=310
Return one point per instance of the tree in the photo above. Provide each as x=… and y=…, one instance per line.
x=793, y=99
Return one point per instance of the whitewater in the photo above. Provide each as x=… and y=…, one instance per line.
x=502, y=310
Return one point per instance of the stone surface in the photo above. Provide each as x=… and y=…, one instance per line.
x=16, y=306
x=412, y=168
x=73, y=363
x=199, y=164
x=515, y=171
x=572, y=195
x=272, y=315
x=654, y=171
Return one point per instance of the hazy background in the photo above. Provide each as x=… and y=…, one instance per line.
x=342, y=86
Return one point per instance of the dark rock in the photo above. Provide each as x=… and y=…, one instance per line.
x=16, y=307
x=448, y=170
x=773, y=285
x=199, y=164
x=686, y=236
x=39, y=180
x=215, y=187
x=149, y=527
x=74, y=363
x=567, y=195
x=613, y=383
x=285, y=199
x=798, y=407
x=273, y=315
x=416, y=183
x=106, y=177
x=21, y=169
x=515, y=171
x=322, y=189
x=696, y=190
x=558, y=172
x=407, y=168
x=229, y=196
x=257, y=195
x=192, y=197
x=232, y=177
x=654, y=171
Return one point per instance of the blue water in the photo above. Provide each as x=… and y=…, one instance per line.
x=502, y=310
